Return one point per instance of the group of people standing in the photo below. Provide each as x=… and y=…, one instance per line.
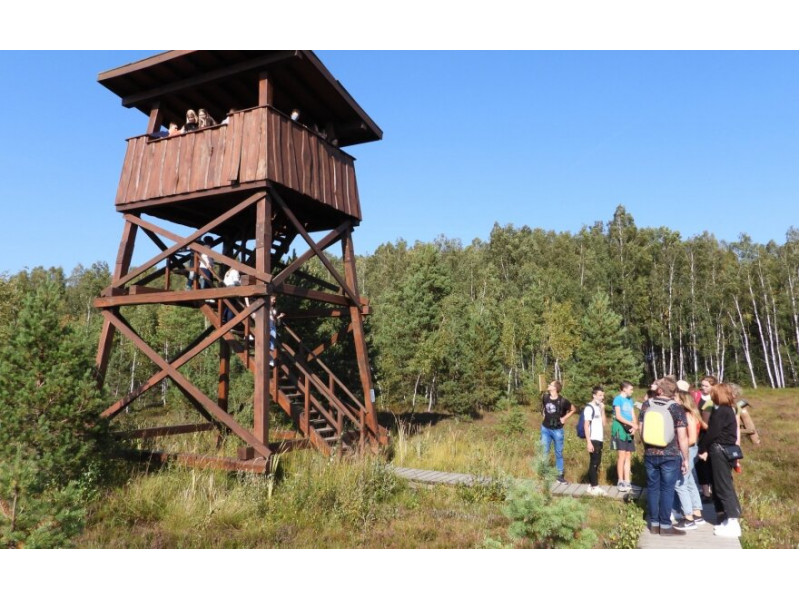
x=704, y=424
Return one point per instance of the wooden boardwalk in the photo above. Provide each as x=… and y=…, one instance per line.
x=701, y=538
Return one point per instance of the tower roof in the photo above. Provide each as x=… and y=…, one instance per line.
x=221, y=80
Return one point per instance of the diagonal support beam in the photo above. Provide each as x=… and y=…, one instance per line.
x=302, y=231
x=189, y=389
x=192, y=351
x=220, y=258
x=324, y=243
x=182, y=242
x=316, y=352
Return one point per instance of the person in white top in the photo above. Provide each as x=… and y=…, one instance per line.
x=206, y=265
x=594, y=419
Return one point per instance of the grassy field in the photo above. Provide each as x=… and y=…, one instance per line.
x=313, y=502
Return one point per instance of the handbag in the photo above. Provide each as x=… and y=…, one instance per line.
x=732, y=452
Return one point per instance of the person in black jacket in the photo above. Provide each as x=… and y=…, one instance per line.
x=722, y=430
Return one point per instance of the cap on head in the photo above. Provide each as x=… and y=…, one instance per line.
x=683, y=385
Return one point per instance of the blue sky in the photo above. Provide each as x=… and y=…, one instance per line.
x=690, y=140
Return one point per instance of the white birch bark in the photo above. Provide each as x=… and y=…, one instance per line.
x=760, y=332
x=745, y=342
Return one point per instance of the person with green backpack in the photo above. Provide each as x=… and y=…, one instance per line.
x=663, y=425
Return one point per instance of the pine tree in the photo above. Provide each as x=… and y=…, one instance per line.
x=602, y=357
x=49, y=406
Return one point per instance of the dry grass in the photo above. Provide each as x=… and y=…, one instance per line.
x=312, y=502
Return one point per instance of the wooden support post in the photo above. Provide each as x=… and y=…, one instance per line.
x=223, y=386
x=120, y=270
x=266, y=91
x=263, y=244
x=349, y=257
x=156, y=118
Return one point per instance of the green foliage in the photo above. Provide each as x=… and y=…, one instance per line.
x=51, y=432
x=545, y=521
x=513, y=422
x=602, y=357
x=626, y=534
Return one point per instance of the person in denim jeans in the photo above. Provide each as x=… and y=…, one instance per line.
x=555, y=410
x=665, y=465
x=687, y=492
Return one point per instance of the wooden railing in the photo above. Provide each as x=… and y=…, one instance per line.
x=257, y=144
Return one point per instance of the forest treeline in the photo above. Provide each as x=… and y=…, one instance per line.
x=461, y=327
x=467, y=325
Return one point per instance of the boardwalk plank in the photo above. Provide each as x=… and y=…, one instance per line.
x=701, y=538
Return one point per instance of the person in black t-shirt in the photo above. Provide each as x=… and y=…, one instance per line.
x=192, y=122
x=555, y=410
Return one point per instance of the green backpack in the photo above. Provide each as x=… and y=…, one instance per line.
x=658, y=426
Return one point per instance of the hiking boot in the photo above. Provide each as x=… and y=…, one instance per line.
x=654, y=529
x=672, y=531
x=685, y=525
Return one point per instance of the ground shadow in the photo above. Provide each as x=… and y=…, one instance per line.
x=412, y=422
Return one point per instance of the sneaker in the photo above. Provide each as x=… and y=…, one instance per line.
x=731, y=530
x=685, y=525
x=560, y=479
x=654, y=529
x=699, y=521
x=675, y=517
x=672, y=531
x=627, y=486
x=622, y=486
x=596, y=490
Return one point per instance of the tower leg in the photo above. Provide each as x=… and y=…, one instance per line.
x=348, y=254
x=263, y=245
x=120, y=270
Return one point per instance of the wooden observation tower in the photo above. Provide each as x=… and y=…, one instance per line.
x=261, y=181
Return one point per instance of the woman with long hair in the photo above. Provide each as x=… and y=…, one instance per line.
x=204, y=119
x=722, y=431
x=192, y=122
x=705, y=405
x=687, y=495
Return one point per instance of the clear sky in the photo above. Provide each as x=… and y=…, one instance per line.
x=692, y=140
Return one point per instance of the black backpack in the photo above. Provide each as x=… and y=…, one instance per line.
x=580, y=427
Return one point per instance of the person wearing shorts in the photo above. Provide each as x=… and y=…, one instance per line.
x=622, y=429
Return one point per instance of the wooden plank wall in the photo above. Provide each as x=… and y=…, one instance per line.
x=256, y=145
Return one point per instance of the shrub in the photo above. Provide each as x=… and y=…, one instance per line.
x=50, y=431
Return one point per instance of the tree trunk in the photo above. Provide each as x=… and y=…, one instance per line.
x=779, y=366
x=693, y=319
x=745, y=342
x=760, y=332
x=791, y=362
x=430, y=393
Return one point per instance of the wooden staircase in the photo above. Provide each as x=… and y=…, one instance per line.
x=322, y=409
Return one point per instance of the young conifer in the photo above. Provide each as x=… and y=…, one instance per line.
x=602, y=358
